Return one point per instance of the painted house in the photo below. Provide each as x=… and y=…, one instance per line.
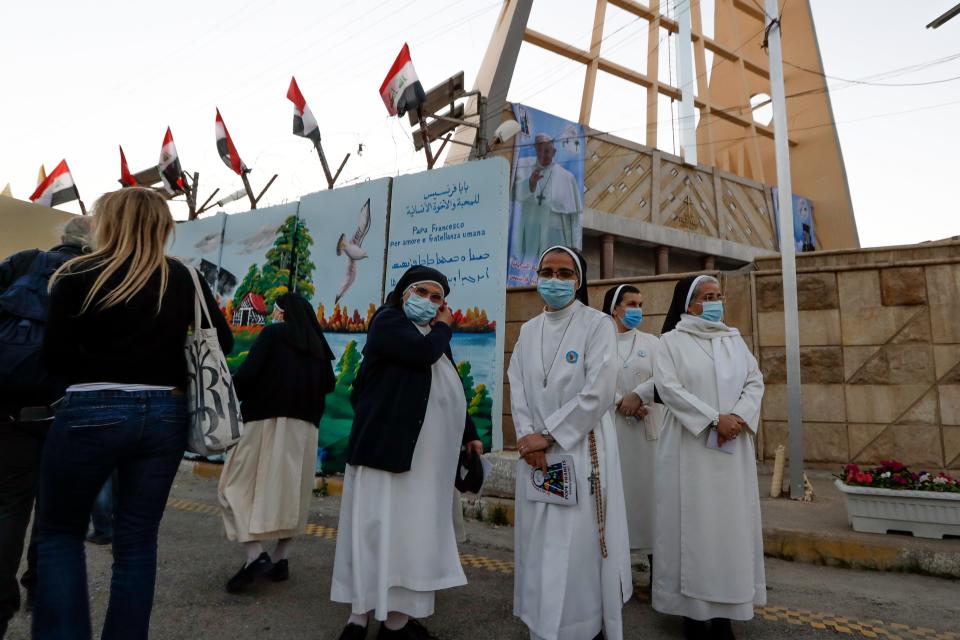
x=252, y=310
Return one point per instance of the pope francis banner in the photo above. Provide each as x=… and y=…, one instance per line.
x=546, y=205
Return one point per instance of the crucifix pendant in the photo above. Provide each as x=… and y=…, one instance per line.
x=594, y=480
x=544, y=382
x=540, y=199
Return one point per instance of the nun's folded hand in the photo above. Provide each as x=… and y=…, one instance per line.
x=532, y=443
x=474, y=448
x=630, y=406
x=537, y=460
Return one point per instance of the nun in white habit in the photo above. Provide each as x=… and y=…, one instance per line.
x=708, y=548
x=395, y=545
x=572, y=561
x=635, y=415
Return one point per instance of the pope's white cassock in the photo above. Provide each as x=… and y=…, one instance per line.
x=396, y=545
x=563, y=588
x=708, y=549
x=636, y=354
x=550, y=213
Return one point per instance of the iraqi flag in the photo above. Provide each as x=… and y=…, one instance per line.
x=126, y=178
x=228, y=152
x=401, y=89
x=169, y=166
x=57, y=188
x=304, y=124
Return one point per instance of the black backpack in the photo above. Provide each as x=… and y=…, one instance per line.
x=23, y=315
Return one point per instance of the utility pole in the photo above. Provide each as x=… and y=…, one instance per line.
x=688, y=120
x=791, y=321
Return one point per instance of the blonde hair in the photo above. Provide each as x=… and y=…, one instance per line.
x=133, y=226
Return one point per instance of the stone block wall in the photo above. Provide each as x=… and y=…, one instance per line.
x=879, y=350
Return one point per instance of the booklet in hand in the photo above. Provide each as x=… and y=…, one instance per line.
x=558, y=485
x=712, y=443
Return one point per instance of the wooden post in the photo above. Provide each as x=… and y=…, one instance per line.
x=425, y=138
x=709, y=263
x=246, y=186
x=663, y=260
x=270, y=182
x=607, y=269
x=83, y=209
x=191, y=194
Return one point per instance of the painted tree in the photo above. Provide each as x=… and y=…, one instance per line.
x=348, y=365
x=482, y=403
x=291, y=250
x=464, y=369
x=253, y=281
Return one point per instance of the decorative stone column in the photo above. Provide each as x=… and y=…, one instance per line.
x=663, y=260
x=608, y=242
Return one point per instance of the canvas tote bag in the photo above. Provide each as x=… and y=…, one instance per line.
x=214, y=410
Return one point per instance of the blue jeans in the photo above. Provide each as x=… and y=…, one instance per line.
x=141, y=435
x=101, y=516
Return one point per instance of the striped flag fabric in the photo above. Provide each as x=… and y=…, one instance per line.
x=170, y=171
x=126, y=178
x=401, y=90
x=304, y=124
x=57, y=188
x=228, y=152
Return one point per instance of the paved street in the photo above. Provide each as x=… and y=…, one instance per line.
x=195, y=561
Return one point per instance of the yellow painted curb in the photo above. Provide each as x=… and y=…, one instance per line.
x=332, y=486
x=207, y=469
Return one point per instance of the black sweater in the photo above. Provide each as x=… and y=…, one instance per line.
x=278, y=380
x=127, y=343
x=391, y=391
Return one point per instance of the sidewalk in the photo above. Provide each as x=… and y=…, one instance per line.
x=817, y=532
x=810, y=532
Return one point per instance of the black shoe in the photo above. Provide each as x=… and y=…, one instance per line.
x=721, y=629
x=413, y=630
x=248, y=573
x=351, y=631
x=695, y=629
x=98, y=538
x=280, y=572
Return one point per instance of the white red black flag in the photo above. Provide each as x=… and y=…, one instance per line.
x=57, y=188
x=169, y=166
x=401, y=89
x=304, y=124
x=126, y=177
x=228, y=152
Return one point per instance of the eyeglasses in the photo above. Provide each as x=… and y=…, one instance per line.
x=560, y=274
x=433, y=296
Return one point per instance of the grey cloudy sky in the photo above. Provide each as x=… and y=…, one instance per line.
x=80, y=78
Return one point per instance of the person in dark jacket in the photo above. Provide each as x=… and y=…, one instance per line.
x=396, y=545
x=268, y=478
x=24, y=416
x=116, y=331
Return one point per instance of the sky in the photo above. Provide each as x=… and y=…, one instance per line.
x=78, y=82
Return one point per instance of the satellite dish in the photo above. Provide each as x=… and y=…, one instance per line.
x=506, y=131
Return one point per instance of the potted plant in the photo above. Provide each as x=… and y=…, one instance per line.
x=890, y=497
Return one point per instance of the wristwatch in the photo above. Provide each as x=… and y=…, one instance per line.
x=715, y=423
x=549, y=438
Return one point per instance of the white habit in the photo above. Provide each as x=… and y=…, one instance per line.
x=563, y=588
x=637, y=438
x=708, y=548
x=549, y=214
x=396, y=544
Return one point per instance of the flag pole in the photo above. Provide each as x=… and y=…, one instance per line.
x=331, y=179
x=425, y=138
x=249, y=190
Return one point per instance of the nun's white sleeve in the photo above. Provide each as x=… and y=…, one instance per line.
x=519, y=410
x=582, y=413
x=645, y=389
x=694, y=414
x=748, y=406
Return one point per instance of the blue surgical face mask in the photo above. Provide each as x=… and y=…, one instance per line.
x=632, y=317
x=555, y=292
x=713, y=311
x=420, y=310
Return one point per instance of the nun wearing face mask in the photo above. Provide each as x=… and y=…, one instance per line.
x=636, y=416
x=708, y=546
x=396, y=544
x=572, y=561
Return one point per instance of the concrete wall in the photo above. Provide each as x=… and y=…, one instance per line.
x=880, y=350
x=24, y=225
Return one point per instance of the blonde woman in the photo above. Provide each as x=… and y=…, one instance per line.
x=118, y=320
